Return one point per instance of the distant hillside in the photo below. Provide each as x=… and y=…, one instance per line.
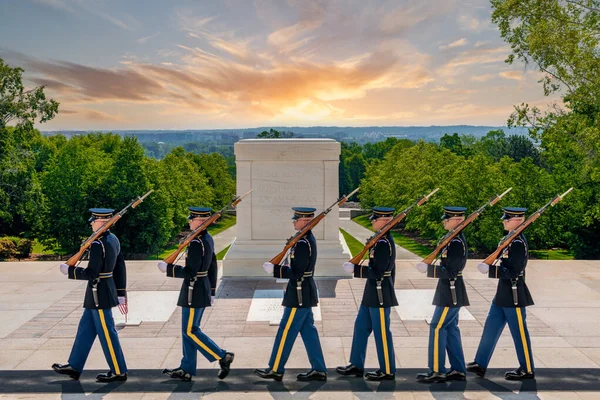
x=358, y=134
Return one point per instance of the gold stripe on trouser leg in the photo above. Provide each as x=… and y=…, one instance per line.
x=523, y=338
x=436, y=340
x=386, y=354
x=195, y=338
x=283, y=337
x=109, y=342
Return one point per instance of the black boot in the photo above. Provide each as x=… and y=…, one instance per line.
x=178, y=373
x=268, y=374
x=518, y=375
x=350, y=369
x=66, y=369
x=431, y=377
x=455, y=375
x=225, y=364
x=312, y=375
x=110, y=377
x=476, y=368
x=379, y=376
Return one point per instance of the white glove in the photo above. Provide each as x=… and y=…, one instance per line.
x=349, y=267
x=268, y=267
x=122, y=300
x=162, y=266
x=483, y=268
x=64, y=268
x=212, y=300
x=421, y=267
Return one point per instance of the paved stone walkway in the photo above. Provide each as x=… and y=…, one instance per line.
x=40, y=310
x=225, y=238
x=361, y=233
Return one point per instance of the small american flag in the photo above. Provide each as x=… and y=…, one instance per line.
x=124, y=309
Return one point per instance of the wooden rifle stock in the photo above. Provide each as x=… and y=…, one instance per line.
x=170, y=259
x=311, y=224
x=453, y=233
x=515, y=232
x=88, y=242
x=379, y=234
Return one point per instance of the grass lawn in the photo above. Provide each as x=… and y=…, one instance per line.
x=222, y=253
x=225, y=222
x=354, y=244
x=38, y=248
x=554, y=254
x=400, y=239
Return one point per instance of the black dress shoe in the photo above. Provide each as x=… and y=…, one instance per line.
x=379, y=376
x=432, y=377
x=66, y=369
x=455, y=375
x=225, y=364
x=268, y=374
x=312, y=375
x=518, y=375
x=350, y=369
x=476, y=368
x=178, y=373
x=110, y=377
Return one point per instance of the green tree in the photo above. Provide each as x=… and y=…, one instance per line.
x=215, y=168
x=454, y=144
x=20, y=105
x=561, y=39
x=178, y=180
x=275, y=134
x=21, y=198
x=72, y=184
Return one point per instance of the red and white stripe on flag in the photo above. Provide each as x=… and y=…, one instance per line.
x=123, y=308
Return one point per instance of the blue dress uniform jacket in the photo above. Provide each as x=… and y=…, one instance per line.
x=512, y=266
x=382, y=262
x=303, y=257
x=504, y=311
x=201, y=267
x=106, y=267
x=298, y=319
x=452, y=263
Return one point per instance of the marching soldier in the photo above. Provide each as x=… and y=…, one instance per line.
x=197, y=292
x=298, y=300
x=106, y=288
x=378, y=298
x=450, y=296
x=508, y=306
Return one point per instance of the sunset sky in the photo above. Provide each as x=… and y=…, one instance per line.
x=233, y=63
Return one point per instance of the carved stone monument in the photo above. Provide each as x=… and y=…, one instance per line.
x=284, y=173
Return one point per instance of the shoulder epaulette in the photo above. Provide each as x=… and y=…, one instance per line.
x=388, y=243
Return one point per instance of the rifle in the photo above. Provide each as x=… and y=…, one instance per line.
x=170, y=259
x=515, y=232
x=311, y=224
x=379, y=234
x=88, y=242
x=430, y=259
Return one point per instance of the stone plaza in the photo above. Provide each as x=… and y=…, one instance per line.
x=40, y=310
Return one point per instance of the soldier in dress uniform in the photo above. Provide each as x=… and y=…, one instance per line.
x=299, y=298
x=450, y=296
x=197, y=292
x=508, y=306
x=106, y=288
x=378, y=298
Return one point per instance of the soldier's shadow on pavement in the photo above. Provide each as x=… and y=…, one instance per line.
x=243, y=380
x=281, y=390
x=527, y=389
x=71, y=389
